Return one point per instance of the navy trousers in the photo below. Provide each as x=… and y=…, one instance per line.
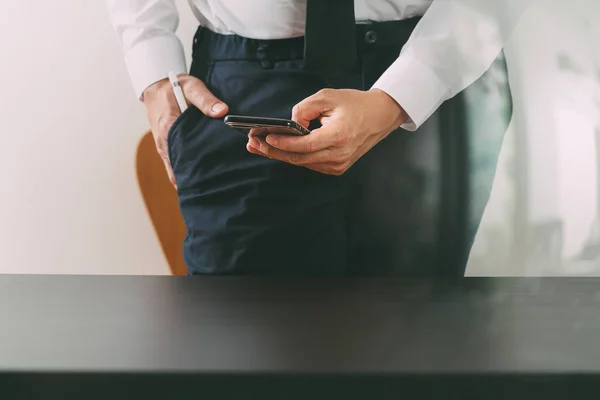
x=247, y=214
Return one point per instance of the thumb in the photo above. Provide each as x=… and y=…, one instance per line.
x=198, y=94
x=311, y=108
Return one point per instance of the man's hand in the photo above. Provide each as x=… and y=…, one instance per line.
x=353, y=121
x=163, y=110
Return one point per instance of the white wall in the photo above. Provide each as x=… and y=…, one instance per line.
x=70, y=125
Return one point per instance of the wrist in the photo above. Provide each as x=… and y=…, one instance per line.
x=154, y=88
x=393, y=108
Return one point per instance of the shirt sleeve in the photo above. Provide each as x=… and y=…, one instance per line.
x=454, y=43
x=146, y=30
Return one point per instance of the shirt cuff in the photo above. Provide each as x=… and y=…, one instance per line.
x=415, y=87
x=151, y=60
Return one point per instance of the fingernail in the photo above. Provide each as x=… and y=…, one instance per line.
x=217, y=108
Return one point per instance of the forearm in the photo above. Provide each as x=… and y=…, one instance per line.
x=146, y=30
x=455, y=42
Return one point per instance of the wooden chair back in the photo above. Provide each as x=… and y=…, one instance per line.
x=161, y=202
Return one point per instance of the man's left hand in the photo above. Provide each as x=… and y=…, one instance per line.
x=353, y=121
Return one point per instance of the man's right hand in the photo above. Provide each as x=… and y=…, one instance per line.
x=163, y=110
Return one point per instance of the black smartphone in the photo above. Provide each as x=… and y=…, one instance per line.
x=265, y=126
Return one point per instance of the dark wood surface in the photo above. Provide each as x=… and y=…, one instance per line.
x=300, y=336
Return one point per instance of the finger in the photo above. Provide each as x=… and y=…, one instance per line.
x=161, y=149
x=170, y=172
x=329, y=168
x=256, y=132
x=197, y=93
x=164, y=124
x=255, y=151
x=291, y=158
x=318, y=139
x=312, y=107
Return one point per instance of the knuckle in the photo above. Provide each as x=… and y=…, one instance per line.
x=341, y=139
x=191, y=85
x=190, y=92
x=295, y=159
x=265, y=150
x=311, y=146
x=325, y=92
x=161, y=144
x=340, y=168
x=164, y=123
x=302, y=108
x=297, y=108
x=339, y=158
x=186, y=80
x=206, y=103
x=163, y=152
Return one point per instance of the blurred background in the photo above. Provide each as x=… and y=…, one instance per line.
x=542, y=215
x=70, y=202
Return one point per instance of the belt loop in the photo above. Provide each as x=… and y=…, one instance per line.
x=262, y=54
x=198, y=36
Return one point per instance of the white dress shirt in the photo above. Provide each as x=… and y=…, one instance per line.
x=454, y=43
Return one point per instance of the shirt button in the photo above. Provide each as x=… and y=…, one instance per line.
x=371, y=37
